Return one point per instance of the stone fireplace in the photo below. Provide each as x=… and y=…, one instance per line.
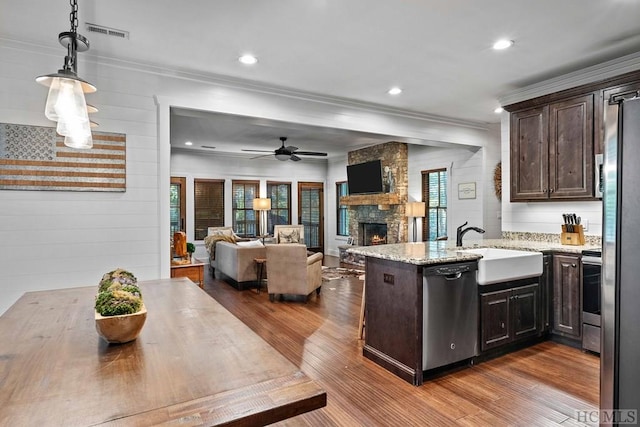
x=383, y=209
x=372, y=234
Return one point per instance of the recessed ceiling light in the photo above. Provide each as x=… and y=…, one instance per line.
x=188, y=143
x=503, y=44
x=394, y=91
x=498, y=110
x=248, y=59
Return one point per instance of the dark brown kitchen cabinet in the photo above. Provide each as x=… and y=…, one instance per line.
x=508, y=315
x=530, y=154
x=545, y=294
x=571, y=148
x=567, y=298
x=394, y=316
x=552, y=151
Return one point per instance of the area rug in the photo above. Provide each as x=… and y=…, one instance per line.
x=333, y=273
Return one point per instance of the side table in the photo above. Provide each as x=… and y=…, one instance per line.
x=193, y=271
x=261, y=265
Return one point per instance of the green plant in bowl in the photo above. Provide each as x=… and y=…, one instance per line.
x=191, y=248
x=117, y=301
x=119, y=310
x=117, y=276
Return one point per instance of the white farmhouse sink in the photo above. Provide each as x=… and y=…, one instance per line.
x=503, y=265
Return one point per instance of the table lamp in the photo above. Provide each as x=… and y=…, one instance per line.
x=415, y=210
x=262, y=205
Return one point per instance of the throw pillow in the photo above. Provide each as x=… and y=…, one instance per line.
x=289, y=235
x=251, y=244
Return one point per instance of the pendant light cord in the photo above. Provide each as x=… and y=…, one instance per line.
x=73, y=16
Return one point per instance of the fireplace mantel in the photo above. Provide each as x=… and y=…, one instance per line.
x=371, y=199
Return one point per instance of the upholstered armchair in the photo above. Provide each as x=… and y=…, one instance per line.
x=291, y=271
x=288, y=233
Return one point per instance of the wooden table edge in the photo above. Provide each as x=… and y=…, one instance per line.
x=255, y=405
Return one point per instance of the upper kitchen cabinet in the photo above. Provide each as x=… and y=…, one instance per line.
x=530, y=154
x=552, y=151
x=571, y=148
x=554, y=139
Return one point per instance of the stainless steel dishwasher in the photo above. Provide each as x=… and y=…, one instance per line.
x=450, y=314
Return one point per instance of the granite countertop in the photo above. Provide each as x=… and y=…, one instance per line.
x=419, y=253
x=424, y=253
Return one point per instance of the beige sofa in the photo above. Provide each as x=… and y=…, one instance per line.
x=234, y=261
x=237, y=263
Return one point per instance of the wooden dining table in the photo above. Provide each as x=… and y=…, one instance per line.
x=193, y=364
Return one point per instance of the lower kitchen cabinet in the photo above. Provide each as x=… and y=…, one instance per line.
x=567, y=296
x=545, y=294
x=508, y=315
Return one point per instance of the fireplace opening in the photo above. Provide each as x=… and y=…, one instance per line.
x=372, y=234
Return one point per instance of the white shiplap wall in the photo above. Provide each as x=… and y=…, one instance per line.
x=59, y=239
x=336, y=172
x=464, y=165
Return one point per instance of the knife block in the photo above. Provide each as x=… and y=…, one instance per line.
x=576, y=238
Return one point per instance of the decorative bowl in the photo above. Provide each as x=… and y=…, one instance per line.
x=121, y=328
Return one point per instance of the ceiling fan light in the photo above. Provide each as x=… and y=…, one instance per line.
x=283, y=157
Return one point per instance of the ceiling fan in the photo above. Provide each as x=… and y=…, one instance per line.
x=288, y=153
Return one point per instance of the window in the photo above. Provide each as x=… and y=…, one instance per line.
x=177, y=202
x=310, y=208
x=342, y=189
x=280, y=213
x=208, y=205
x=434, y=193
x=245, y=219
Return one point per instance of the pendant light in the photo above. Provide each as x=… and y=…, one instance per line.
x=66, y=103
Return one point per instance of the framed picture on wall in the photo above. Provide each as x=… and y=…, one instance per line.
x=467, y=190
x=350, y=241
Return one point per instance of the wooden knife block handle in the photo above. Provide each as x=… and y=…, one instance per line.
x=575, y=239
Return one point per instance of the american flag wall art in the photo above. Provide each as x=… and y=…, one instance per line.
x=35, y=158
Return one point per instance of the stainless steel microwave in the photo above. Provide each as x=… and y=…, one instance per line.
x=599, y=176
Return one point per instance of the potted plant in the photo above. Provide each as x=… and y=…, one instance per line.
x=191, y=248
x=119, y=310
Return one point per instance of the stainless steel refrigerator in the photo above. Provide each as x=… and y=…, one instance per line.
x=620, y=334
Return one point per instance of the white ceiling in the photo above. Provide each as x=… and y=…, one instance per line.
x=439, y=52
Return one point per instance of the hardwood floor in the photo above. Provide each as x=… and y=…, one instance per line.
x=542, y=385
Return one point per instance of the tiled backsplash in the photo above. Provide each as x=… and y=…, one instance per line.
x=546, y=237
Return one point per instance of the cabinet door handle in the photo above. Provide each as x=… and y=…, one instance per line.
x=551, y=190
x=573, y=265
x=502, y=325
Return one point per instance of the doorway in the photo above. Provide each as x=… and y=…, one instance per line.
x=310, y=214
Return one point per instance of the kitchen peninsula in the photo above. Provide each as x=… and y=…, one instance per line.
x=399, y=331
x=394, y=301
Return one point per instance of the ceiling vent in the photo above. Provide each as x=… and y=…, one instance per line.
x=100, y=29
x=209, y=147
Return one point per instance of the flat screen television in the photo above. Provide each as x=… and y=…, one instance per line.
x=365, y=178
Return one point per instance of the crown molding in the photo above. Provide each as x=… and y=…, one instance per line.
x=588, y=75
x=244, y=85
